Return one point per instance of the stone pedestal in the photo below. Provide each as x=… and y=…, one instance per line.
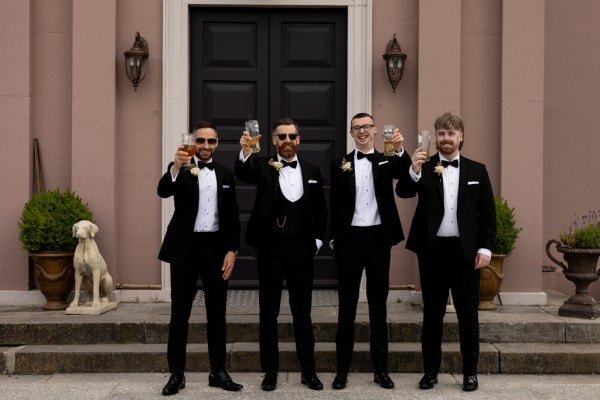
x=89, y=310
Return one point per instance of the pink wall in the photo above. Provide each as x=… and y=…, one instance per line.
x=518, y=72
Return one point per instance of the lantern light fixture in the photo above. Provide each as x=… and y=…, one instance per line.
x=394, y=62
x=136, y=60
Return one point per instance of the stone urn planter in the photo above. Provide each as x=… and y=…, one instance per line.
x=490, y=281
x=581, y=270
x=54, y=275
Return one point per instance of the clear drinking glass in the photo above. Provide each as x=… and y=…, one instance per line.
x=188, y=141
x=388, y=145
x=424, y=141
x=253, y=130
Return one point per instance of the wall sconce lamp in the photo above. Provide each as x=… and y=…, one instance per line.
x=394, y=62
x=136, y=60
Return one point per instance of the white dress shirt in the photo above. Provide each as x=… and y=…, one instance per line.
x=290, y=181
x=366, y=212
x=207, y=219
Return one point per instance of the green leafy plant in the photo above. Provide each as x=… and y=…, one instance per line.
x=583, y=233
x=47, y=221
x=507, y=231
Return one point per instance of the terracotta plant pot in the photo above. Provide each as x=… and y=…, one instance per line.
x=490, y=281
x=54, y=275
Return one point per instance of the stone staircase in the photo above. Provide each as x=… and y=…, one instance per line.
x=132, y=338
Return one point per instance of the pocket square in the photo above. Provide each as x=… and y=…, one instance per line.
x=312, y=181
x=473, y=183
x=383, y=162
x=225, y=186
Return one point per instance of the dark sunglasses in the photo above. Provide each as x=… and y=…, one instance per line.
x=201, y=140
x=282, y=136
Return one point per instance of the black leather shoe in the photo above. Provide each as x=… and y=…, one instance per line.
x=269, y=381
x=470, y=383
x=223, y=380
x=341, y=378
x=311, y=380
x=384, y=380
x=427, y=381
x=176, y=382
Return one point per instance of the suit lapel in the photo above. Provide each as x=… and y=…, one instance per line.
x=351, y=175
x=219, y=176
x=462, y=177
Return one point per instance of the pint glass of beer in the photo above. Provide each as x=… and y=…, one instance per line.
x=253, y=130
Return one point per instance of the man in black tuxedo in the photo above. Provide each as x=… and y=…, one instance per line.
x=364, y=227
x=286, y=226
x=203, y=239
x=452, y=232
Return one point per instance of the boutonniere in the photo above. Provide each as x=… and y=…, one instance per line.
x=439, y=168
x=195, y=171
x=275, y=164
x=346, y=165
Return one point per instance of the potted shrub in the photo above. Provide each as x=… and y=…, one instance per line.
x=580, y=247
x=492, y=275
x=46, y=232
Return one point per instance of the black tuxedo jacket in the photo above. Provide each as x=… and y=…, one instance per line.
x=256, y=170
x=185, y=190
x=343, y=193
x=476, y=212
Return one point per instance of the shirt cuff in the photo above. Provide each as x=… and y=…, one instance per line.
x=415, y=177
x=485, y=252
x=399, y=153
x=242, y=159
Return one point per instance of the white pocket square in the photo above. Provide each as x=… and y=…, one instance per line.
x=383, y=162
x=225, y=186
x=311, y=181
x=473, y=183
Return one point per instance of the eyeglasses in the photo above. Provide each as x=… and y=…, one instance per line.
x=366, y=128
x=201, y=140
x=282, y=136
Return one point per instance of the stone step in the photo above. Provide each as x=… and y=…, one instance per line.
x=509, y=358
x=518, y=328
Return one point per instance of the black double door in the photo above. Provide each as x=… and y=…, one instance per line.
x=261, y=63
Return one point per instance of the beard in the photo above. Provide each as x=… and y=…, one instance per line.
x=205, y=155
x=287, y=150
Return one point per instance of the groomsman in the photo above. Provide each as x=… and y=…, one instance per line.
x=286, y=226
x=202, y=239
x=364, y=227
x=452, y=232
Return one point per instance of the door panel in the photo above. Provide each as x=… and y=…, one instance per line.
x=258, y=63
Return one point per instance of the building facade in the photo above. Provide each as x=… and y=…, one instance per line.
x=522, y=74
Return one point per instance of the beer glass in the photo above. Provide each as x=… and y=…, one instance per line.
x=188, y=141
x=424, y=141
x=253, y=130
x=388, y=145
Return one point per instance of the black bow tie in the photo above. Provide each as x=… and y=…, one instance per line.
x=369, y=156
x=209, y=165
x=453, y=163
x=289, y=164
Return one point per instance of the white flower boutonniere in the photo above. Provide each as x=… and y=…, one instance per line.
x=275, y=164
x=439, y=168
x=346, y=165
x=195, y=171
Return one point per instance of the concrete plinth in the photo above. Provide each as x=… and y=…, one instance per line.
x=89, y=310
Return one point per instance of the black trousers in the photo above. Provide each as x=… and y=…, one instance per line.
x=289, y=258
x=204, y=259
x=365, y=249
x=445, y=268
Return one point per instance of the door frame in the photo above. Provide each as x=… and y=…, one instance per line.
x=176, y=71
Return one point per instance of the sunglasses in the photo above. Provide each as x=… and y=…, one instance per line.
x=201, y=140
x=282, y=136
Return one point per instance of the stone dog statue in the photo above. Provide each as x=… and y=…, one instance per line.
x=91, y=273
